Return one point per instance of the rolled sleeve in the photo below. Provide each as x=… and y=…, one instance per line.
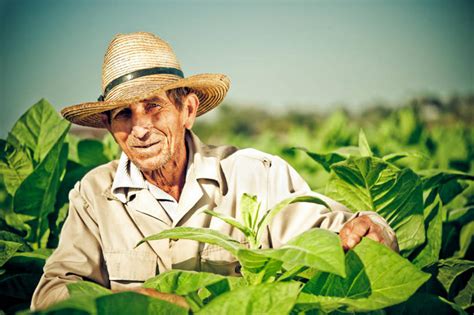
x=284, y=182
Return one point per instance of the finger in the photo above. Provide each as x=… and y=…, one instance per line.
x=343, y=241
x=352, y=241
x=347, y=228
x=344, y=234
x=377, y=230
x=360, y=227
x=348, y=238
x=375, y=236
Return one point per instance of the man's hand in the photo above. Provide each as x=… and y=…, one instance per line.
x=352, y=232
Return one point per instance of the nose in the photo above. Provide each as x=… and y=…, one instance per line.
x=141, y=124
x=139, y=132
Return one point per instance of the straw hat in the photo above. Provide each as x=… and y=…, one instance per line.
x=137, y=66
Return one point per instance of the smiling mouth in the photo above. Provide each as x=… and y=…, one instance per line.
x=145, y=146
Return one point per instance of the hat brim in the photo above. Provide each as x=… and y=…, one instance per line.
x=210, y=89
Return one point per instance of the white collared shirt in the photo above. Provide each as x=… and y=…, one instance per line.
x=129, y=180
x=104, y=224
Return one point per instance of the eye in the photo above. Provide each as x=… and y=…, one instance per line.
x=152, y=105
x=122, y=114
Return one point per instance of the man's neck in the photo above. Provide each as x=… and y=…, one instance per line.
x=171, y=177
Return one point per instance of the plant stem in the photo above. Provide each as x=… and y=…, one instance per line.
x=195, y=301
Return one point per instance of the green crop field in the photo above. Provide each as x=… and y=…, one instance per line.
x=413, y=165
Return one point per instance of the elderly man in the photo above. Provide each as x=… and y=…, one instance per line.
x=166, y=177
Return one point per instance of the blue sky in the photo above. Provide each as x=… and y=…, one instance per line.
x=278, y=54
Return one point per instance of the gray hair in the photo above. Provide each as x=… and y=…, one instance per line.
x=177, y=95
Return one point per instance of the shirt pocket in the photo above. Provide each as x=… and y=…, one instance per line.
x=130, y=266
x=215, y=259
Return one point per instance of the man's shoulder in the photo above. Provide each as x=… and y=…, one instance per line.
x=228, y=155
x=252, y=155
x=243, y=158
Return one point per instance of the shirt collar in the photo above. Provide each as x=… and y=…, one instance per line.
x=127, y=178
x=203, y=162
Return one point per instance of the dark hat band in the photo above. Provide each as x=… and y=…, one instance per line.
x=138, y=74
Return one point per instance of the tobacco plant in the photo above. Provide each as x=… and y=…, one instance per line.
x=406, y=175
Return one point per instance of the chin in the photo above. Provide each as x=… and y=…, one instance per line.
x=152, y=163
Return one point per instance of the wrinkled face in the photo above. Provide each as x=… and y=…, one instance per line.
x=151, y=132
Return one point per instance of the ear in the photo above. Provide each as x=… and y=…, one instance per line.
x=104, y=118
x=190, y=106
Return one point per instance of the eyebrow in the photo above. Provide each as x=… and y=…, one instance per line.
x=154, y=99
x=118, y=110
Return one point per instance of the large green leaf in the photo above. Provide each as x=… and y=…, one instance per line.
x=325, y=159
x=81, y=305
x=429, y=253
x=465, y=296
x=450, y=190
x=111, y=148
x=86, y=288
x=256, y=267
x=118, y=303
x=377, y=277
x=253, y=260
x=91, y=152
x=423, y=303
x=18, y=285
x=30, y=261
x=72, y=142
x=17, y=221
x=182, y=282
x=393, y=157
x=56, y=221
x=450, y=269
x=134, y=303
x=466, y=237
x=74, y=172
x=368, y=183
x=39, y=129
x=436, y=178
x=12, y=237
x=307, y=302
x=198, y=234
x=462, y=214
x=268, y=298
x=271, y=213
x=36, y=196
x=15, y=166
x=316, y=248
x=7, y=250
x=225, y=285
x=364, y=146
